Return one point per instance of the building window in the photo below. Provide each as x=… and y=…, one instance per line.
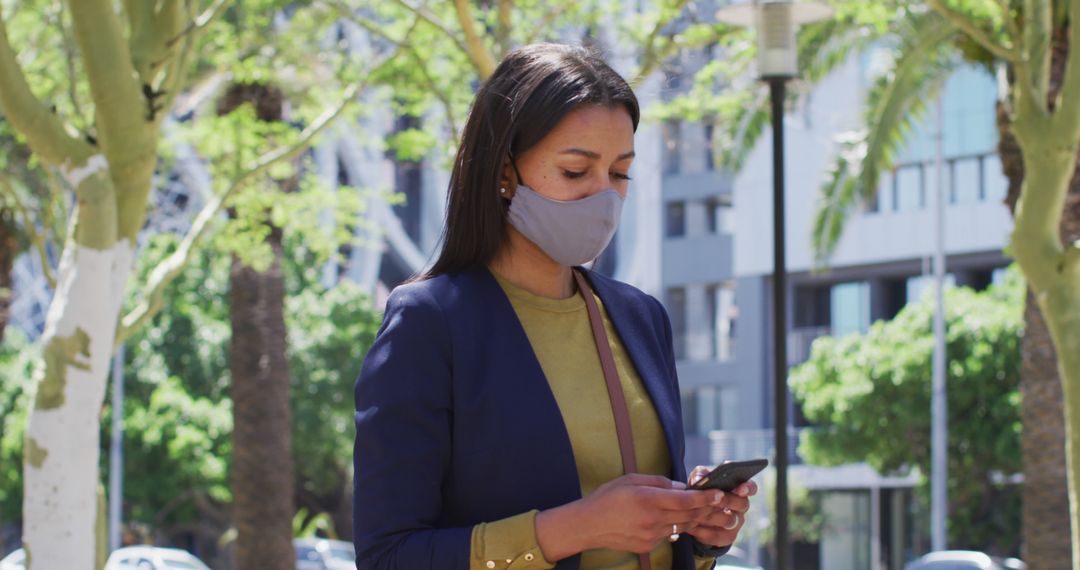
x=672, y=144
x=676, y=306
x=967, y=181
x=719, y=217
x=675, y=222
x=710, y=149
x=709, y=408
x=918, y=286
x=720, y=303
x=850, y=308
x=907, y=190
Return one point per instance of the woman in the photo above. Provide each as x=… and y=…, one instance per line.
x=515, y=410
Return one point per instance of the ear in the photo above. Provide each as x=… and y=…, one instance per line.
x=508, y=181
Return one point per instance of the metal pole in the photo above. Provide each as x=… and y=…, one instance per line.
x=939, y=405
x=116, y=452
x=780, y=368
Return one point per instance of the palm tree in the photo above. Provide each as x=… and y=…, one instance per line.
x=930, y=40
x=262, y=477
x=9, y=249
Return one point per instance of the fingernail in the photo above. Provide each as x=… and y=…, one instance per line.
x=718, y=497
x=743, y=491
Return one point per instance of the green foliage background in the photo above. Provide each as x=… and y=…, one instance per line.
x=870, y=394
x=177, y=411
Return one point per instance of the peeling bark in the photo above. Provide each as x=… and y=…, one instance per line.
x=62, y=436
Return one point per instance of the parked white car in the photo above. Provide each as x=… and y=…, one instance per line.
x=14, y=561
x=153, y=558
x=963, y=560
x=324, y=554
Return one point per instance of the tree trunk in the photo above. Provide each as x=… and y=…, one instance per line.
x=262, y=477
x=1046, y=540
x=9, y=249
x=62, y=445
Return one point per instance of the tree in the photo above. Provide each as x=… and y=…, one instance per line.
x=262, y=438
x=1034, y=44
x=178, y=412
x=928, y=40
x=871, y=394
x=129, y=67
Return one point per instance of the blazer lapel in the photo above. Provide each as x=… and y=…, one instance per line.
x=643, y=342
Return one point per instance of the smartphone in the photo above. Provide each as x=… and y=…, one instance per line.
x=729, y=475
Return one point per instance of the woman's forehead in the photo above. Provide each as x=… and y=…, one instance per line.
x=608, y=131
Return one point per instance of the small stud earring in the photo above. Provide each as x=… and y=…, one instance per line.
x=502, y=190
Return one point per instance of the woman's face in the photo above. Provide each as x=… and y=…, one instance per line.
x=588, y=151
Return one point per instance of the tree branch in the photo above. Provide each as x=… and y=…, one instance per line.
x=406, y=45
x=31, y=230
x=545, y=22
x=168, y=269
x=651, y=57
x=1071, y=262
x=1038, y=28
x=68, y=44
x=118, y=96
x=1010, y=22
x=477, y=52
x=1072, y=257
x=44, y=132
x=1068, y=100
x=960, y=20
x=1036, y=240
x=176, y=75
x=502, y=34
x=201, y=22
x=430, y=18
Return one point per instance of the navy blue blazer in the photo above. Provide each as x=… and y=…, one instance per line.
x=457, y=425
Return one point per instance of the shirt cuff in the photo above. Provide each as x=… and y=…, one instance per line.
x=509, y=543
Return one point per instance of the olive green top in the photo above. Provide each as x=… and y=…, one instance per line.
x=561, y=337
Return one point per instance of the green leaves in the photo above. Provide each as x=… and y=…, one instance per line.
x=921, y=59
x=870, y=395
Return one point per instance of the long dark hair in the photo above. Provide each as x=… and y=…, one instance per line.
x=533, y=88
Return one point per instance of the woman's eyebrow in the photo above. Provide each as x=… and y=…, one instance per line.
x=595, y=155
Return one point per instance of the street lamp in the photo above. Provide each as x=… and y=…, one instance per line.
x=777, y=59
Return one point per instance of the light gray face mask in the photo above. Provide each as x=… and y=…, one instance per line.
x=570, y=232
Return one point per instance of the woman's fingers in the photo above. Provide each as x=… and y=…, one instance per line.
x=697, y=473
x=735, y=503
x=681, y=500
x=723, y=518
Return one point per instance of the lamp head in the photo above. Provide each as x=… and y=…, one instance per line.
x=776, y=22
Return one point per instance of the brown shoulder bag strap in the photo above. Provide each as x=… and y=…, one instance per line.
x=614, y=387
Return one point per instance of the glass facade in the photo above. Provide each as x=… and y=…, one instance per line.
x=849, y=305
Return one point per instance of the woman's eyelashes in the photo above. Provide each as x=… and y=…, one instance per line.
x=571, y=174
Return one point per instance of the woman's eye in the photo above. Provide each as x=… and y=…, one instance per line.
x=622, y=176
x=572, y=174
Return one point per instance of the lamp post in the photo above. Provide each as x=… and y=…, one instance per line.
x=776, y=22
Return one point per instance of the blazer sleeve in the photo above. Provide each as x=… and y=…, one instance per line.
x=403, y=442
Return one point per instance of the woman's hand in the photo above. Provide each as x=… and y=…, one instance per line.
x=722, y=524
x=633, y=513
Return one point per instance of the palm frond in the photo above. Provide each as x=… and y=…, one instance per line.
x=923, y=57
x=822, y=48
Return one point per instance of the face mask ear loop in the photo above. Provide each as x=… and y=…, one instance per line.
x=517, y=172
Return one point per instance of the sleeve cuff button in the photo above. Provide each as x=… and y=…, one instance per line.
x=529, y=557
x=490, y=563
